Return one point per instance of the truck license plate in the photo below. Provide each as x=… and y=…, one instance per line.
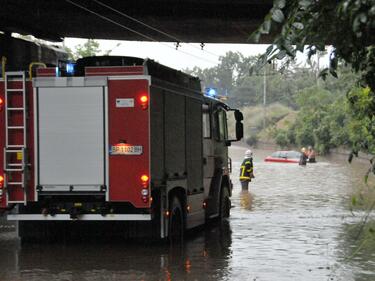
x=126, y=150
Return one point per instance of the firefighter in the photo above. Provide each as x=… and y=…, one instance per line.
x=247, y=170
x=303, y=157
x=311, y=154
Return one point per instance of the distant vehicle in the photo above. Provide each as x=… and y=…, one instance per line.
x=284, y=157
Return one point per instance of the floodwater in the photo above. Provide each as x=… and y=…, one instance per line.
x=295, y=224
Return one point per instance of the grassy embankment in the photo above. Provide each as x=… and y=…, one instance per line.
x=277, y=116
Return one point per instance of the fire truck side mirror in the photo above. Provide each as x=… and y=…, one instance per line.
x=239, y=130
x=236, y=128
x=238, y=115
x=239, y=126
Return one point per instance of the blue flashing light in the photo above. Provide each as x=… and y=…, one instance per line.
x=70, y=68
x=211, y=92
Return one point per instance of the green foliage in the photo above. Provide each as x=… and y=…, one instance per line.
x=314, y=97
x=229, y=77
x=327, y=120
x=88, y=49
x=349, y=27
x=232, y=77
x=362, y=125
x=281, y=138
x=253, y=120
x=70, y=52
x=323, y=120
x=252, y=140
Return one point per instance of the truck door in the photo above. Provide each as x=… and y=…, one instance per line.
x=208, y=149
x=215, y=154
x=70, y=136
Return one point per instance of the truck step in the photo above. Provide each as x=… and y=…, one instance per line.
x=15, y=146
x=16, y=108
x=13, y=150
x=15, y=90
x=14, y=183
x=13, y=170
x=15, y=164
x=15, y=73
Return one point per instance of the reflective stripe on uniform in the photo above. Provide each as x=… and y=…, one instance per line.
x=243, y=170
x=246, y=170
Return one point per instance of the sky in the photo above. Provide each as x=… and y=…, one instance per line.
x=186, y=56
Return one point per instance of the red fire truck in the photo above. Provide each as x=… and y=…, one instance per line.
x=113, y=141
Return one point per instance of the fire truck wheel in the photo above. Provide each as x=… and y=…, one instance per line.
x=176, y=221
x=225, y=203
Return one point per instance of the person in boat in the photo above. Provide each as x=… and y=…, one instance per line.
x=247, y=170
x=303, y=158
x=311, y=155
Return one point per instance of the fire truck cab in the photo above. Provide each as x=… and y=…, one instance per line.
x=117, y=143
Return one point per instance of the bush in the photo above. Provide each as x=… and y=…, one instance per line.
x=252, y=140
x=282, y=138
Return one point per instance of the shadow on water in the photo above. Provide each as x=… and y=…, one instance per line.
x=206, y=251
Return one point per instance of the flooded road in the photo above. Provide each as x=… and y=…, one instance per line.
x=295, y=224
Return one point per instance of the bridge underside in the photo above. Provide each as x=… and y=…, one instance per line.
x=207, y=21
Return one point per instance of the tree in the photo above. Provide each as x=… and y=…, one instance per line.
x=88, y=49
x=347, y=25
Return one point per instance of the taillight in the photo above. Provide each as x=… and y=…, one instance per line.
x=1, y=187
x=145, y=189
x=144, y=180
x=1, y=104
x=144, y=102
x=145, y=194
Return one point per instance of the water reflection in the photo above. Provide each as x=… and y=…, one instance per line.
x=209, y=252
x=358, y=249
x=246, y=199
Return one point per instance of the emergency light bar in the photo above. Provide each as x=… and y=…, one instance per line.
x=210, y=92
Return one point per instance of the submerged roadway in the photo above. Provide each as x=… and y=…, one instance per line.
x=295, y=224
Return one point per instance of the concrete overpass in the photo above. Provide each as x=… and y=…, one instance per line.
x=207, y=21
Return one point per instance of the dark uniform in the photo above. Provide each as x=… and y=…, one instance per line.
x=246, y=173
x=303, y=159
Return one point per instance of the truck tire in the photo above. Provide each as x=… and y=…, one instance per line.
x=225, y=203
x=176, y=221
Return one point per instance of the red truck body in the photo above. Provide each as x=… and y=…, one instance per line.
x=121, y=140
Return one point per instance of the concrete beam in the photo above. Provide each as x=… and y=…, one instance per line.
x=209, y=21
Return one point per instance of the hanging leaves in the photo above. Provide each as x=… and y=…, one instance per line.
x=278, y=16
x=347, y=25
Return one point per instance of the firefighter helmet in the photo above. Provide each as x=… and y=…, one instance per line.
x=248, y=154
